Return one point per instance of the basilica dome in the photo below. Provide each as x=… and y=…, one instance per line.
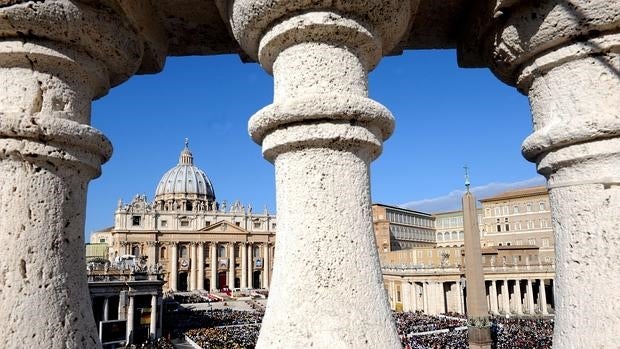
x=185, y=182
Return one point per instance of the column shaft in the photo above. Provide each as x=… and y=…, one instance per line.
x=130, y=320
x=266, y=264
x=505, y=297
x=244, y=265
x=213, y=254
x=193, y=267
x=153, y=323
x=543, y=297
x=200, y=281
x=174, y=267
x=106, y=308
x=530, y=297
x=250, y=266
x=518, y=299
x=493, y=296
x=231, y=265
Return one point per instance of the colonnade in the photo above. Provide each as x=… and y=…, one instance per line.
x=321, y=132
x=250, y=262
x=126, y=310
x=516, y=296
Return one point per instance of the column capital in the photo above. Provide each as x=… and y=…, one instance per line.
x=152, y=243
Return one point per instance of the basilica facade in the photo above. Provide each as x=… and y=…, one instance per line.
x=197, y=242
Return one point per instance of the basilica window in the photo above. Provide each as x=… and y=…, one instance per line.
x=162, y=253
x=221, y=251
x=183, y=251
x=135, y=220
x=184, y=223
x=164, y=223
x=257, y=225
x=135, y=250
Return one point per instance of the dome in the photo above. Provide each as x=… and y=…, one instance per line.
x=185, y=181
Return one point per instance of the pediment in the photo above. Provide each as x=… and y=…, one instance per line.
x=224, y=227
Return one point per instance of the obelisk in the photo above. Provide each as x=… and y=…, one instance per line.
x=478, y=329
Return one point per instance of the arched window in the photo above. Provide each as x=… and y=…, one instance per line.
x=256, y=252
x=183, y=251
x=221, y=251
x=135, y=250
x=162, y=252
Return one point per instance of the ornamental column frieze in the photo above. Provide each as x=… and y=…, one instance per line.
x=565, y=56
x=321, y=132
x=55, y=58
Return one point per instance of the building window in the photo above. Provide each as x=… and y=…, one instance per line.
x=207, y=223
x=102, y=240
x=528, y=207
x=135, y=220
x=184, y=223
x=238, y=224
x=135, y=250
x=164, y=223
x=545, y=242
x=505, y=209
x=515, y=209
x=162, y=252
x=256, y=225
x=221, y=251
x=499, y=228
x=531, y=241
x=507, y=226
x=542, y=206
x=497, y=211
x=183, y=251
x=237, y=250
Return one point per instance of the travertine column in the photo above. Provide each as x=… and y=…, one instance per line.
x=250, y=265
x=505, y=297
x=193, y=266
x=543, y=297
x=55, y=58
x=106, y=308
x=213, y=254
x=565, y=56
x=518, y=300
x=200, y=276
x=231, y=265
x=174, y=266
x=153, y=323
x=322, y=132
x=152, y=252
x=493, y=296
x=130, y=319
x=425, y=307
x=244, y=265
x=530, y=297
x=266, y=265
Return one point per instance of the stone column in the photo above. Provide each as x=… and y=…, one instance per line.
x=106, y=308
x=55, y=58
x=152, y=252
x=193, y=266
x=200, y=276
x=530, y=297
x=493, y=296
x=518, y=300
x=321, y=132
x=441, y=298
x=425, y=297
x=543, y=297
x=250, y=266
x=564, y=55
x=130, y=319
x=174, y=267
x=505, y=297
x=406, y=295
x=414, y=288
x=153, y=324
x=458, y=291
x=213, y=253
x=266, y=266
x=244, y=265
x=231, y=265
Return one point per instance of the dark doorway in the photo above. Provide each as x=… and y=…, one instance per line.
x=237, y=283
x=182, y=282
x=221, y=280
x=256, y=279
x=207, y=284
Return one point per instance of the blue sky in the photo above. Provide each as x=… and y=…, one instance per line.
x=445, y=117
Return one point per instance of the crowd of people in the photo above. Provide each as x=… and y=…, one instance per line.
x=522, y=333
x=235, y=337
x=407, y=322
